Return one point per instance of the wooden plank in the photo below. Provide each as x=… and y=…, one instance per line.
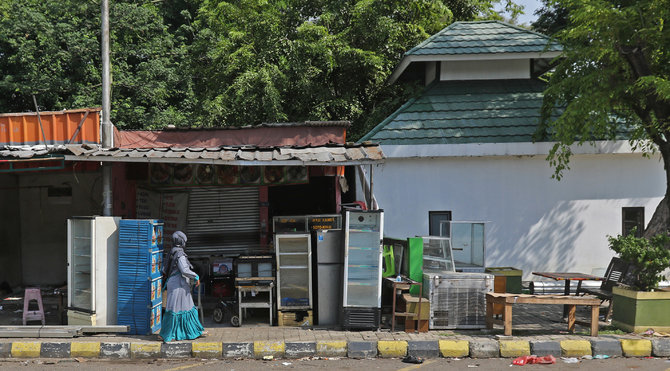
x=489, y=313
x=507, y=317
x=571, y=317
x=542, y=299
x=595, y=309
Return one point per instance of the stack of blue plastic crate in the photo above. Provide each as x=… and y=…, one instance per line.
x=140, y=260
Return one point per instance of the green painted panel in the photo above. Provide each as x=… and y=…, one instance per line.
x=415, y=262
x=641, y=312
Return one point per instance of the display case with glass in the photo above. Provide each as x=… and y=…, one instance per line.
x=81, y=277
x=294, y=271
x=363, y=232
x=468, y=245
x=437, y=255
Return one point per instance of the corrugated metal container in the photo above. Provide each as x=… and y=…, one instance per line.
x=457, y=300
x=60, y=127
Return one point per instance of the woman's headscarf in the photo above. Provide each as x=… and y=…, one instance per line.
x=178, y=239
x=178, y=244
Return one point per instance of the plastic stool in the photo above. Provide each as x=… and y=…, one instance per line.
x=33, y=293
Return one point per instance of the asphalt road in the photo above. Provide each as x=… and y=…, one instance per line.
x=617, y=364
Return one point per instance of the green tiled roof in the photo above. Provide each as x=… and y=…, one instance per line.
x=481, y=111
x=483, y=38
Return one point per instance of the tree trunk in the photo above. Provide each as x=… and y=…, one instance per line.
x=660, y=221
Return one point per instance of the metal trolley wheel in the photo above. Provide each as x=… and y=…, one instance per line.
x=217, y=316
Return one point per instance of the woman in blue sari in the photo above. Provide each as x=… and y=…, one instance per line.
x=180, y=321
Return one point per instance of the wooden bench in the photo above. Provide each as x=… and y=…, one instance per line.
x=508, y=300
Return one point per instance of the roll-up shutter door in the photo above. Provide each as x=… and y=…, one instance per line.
x=223, y=221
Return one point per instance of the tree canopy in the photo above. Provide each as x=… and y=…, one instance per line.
x=613, y=76
x=220, y=63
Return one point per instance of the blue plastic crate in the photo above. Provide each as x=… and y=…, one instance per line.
x=141, y=233
x=140, y=263
x=140, y=257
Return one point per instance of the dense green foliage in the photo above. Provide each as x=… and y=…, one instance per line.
x=551, y=18
x=649, y=258
x=52, y=49
x=614, y=75
x=220, y=63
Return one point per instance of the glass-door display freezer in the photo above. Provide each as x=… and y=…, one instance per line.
x=294, y=271
x=92, y=244
x=363, y=233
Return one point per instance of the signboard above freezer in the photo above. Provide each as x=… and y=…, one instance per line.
x=306, y=223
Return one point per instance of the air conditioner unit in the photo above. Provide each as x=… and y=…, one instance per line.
x=457, y=300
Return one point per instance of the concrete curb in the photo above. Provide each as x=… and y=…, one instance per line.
x=423, y=348
x=84, y=349
x=484, y=348
x=5, y=350
x=659, y=347
x=333, y=348
x=299, y=349
x=607, y=347
x=269, y=349
x=25, y=350
x=454, y=348
x=476, y=348
x=392, y=348
x=575, y=348
x=514, y=348
x=362, y=349
x=55, y=350
x=145, y=350
x=545, y=347
x=238, y=350
x=207, y=350
x=115, y=350
x=176, y=350
x=636, y=347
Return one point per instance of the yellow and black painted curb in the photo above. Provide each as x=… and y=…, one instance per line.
x=446, y=348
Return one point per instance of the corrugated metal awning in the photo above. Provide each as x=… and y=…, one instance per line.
x=329, y=155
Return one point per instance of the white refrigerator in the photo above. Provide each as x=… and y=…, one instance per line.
x=92, y=249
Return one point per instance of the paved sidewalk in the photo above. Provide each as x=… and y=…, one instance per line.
x=538, y=330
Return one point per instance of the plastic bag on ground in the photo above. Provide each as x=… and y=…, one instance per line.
x=545, y=360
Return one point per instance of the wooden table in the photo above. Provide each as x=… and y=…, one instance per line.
x=508, y=300
x=567, y=277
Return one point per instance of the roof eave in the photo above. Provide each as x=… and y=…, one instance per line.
x=222, y=162
x=409, y=59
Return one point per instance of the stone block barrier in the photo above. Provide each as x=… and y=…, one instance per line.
x=484, y=347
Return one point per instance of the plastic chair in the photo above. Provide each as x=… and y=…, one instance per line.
x=389, y=261
x=33, y=293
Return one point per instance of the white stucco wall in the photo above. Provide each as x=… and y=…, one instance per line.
x=536, y=223
x=485, y=69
